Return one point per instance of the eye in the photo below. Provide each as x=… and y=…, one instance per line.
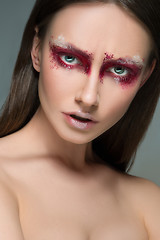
x=119, y=70
x=122, y=73
x=69, y=59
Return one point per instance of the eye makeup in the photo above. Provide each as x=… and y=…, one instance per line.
x=124, y=71
x=69, y=57
x=108, y=56
x=60, y=42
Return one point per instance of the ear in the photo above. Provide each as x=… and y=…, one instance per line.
x=148, y=73
x=35, y=52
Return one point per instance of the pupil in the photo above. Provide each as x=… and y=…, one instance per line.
x=119, y=70
x=69, y=58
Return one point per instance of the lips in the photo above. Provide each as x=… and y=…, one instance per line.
x=80, y=120
x=81, y=116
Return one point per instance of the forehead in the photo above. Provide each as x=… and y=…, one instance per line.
x=101, y=28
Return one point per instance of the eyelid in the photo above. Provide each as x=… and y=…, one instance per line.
x=122, y=66
x=129, y=70
x=71, y=51
x=126, y=70
x=129, y=77
x=75, y=58
x=71, y=55
x=84, y=59
x=85, y=62
x=67, y=52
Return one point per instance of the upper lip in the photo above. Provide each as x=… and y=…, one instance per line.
x=82, y=115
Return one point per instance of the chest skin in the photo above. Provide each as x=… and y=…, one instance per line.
x=67, y=206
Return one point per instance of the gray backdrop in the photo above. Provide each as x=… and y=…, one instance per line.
x=13, y=16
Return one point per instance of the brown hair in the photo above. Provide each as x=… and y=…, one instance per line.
x=118, y=145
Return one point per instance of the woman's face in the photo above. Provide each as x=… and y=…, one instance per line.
x=92, y=63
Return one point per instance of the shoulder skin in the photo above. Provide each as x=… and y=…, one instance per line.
x=10, y=227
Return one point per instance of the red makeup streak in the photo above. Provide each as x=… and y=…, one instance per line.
x=132, y=69
x=83, y=58
x=108, y=56
x=124, y=71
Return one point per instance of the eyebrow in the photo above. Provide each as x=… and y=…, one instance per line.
x=127, y=60
x=74, y=49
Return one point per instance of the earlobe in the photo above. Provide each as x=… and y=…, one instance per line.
x=149, y=72
x=35, y=53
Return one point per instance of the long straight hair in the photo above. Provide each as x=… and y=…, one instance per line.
x=117, y=146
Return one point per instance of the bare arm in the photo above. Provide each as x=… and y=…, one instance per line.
x=10, y=228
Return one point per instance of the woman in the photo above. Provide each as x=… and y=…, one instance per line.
x=84, y=90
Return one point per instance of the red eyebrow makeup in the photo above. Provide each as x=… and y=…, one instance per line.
x=83, y=58
x=108, y=56
x=124, y=71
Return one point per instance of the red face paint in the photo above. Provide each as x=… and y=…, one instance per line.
x=108, y=56
x=70, y=57
x=123, y=71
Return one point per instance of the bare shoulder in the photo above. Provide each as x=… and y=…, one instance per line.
x=145, y=195
x=10, y=226
x=150, y=197
x=9, y=218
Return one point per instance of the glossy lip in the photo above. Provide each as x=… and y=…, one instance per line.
x=76, y=123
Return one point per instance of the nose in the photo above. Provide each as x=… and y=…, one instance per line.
x=88, y=95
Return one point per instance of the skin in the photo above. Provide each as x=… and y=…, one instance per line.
x=47, y=189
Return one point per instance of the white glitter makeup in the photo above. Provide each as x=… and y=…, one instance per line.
x=135, y=59
x=138, y=60
x=60, y=42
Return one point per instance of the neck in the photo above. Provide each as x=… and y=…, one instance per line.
x=48, y=143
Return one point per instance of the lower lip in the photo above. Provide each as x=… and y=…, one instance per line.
x=78, y=124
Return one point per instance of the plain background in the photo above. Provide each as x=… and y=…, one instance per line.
x=13, y=16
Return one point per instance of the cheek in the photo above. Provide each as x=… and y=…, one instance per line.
x=57, y=85
x=50, y=87
x=115, y=104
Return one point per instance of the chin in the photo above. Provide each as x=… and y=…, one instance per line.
x=77, y=138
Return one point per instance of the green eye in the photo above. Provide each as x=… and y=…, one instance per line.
x=119, y=70
x=69, y=59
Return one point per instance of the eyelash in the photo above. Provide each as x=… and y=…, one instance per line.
x=107, y=69
x=63, y=62
x=126, y=77
x=113, y=70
